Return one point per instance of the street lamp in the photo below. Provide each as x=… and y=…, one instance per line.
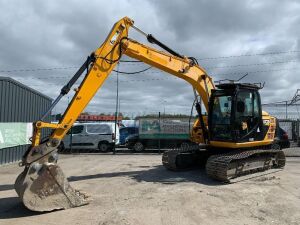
x=164, y=102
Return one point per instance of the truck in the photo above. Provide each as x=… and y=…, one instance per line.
x=156, y=133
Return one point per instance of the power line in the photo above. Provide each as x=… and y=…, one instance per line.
x=248, y=55
x=125, y=81
x=155, y=72
x=275, y=103
x=235, y=56
x=258, y=71
x=38, y=69
x=155, y=79
x=136, y=72
x=252, y=64
x=133, y=62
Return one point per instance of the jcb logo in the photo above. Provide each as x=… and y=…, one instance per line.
x=266, y=122
x=114, y=38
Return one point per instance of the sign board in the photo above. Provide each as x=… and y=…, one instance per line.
x=14, y=134
x=165, y=128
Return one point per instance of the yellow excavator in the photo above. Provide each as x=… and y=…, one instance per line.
x=238, y=137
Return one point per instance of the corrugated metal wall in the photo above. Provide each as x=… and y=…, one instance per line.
x=13, y=154
x=19, y=103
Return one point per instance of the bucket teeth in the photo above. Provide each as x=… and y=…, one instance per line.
x=43, y=187
x=82, y=193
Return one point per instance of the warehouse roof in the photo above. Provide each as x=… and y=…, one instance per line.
x=8, y=79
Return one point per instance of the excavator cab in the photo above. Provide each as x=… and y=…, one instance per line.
x=235, y=113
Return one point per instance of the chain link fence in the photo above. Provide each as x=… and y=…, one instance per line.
x=292, y=127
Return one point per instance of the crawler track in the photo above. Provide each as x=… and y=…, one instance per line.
x=169, y=159
x=224, y=167
x=227, y=166
x=180, y=159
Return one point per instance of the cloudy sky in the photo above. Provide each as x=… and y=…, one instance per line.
x=230, y=38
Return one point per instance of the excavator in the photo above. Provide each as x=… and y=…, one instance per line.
x=238, y=137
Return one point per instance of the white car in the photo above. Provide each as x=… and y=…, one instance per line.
x=101, y=136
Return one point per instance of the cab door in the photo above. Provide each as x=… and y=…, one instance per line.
x=248, y=116
x=74, y=137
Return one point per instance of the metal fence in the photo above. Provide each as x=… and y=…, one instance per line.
x=283, y=111
x=292, y=127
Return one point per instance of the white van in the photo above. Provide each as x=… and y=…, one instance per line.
x=99, y=136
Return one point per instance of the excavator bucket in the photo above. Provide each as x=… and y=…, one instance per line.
x=43, y=187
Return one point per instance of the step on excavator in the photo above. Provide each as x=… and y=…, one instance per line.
x=238, y=137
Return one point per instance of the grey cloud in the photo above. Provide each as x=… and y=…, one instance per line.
x=45, y=34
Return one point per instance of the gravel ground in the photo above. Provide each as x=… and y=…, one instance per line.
x=292, y=152
x=136, y=189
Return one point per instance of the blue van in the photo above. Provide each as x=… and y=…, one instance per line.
x=125, y=132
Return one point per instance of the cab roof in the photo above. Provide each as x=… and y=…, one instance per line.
x=238, y=85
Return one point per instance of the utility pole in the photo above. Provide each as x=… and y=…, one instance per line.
x=119, y=105
x=164, y=102
x=71, y=132
x=116, y=112
x=286, y=112
x=159, y=133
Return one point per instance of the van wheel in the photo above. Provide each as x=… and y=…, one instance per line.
x=138, y=147
x=184, y=146
x=103, y=147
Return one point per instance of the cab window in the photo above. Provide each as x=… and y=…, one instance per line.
x=222, y=110
x=77, y=129
x=221, y=116
x=98, y=129
x=247, y=113
x=247, y=104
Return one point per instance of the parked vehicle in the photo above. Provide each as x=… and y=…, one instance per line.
x=138, y=144
x=164, y=133
x=282, y=138
x=125, y=132
x=100, y=136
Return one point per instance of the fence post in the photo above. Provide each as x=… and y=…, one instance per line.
x=71, y=140
x=293, y=130
x=159, y=133
x=1, y=157
x=297, y=131
x=286, y=111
